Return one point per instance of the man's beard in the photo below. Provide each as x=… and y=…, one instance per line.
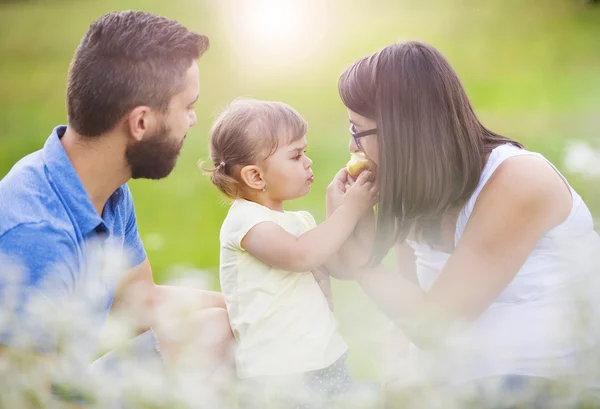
x=153, y=157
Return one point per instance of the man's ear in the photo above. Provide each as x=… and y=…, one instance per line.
x=139, y=121
x=252, y=177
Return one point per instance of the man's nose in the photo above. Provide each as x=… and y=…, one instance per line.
x=193, y=119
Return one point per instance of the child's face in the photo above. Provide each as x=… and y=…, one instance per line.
x=287, y=172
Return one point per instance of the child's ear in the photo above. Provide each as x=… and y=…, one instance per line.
x=251, y=175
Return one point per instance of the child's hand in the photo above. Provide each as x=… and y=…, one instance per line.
x=362, y=194
x=324, y=281
x=336, y=191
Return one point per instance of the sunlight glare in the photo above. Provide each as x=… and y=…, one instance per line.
x=275, y=33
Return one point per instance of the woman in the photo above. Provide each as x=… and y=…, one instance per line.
x=491, y=241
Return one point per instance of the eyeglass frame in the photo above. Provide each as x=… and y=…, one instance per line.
x=358, y=135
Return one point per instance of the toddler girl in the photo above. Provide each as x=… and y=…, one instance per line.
x=282, y=322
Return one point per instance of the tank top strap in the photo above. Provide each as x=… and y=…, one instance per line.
x=495, y=159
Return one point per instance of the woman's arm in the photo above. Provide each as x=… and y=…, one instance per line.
x=396, y=290
x=322, y=278
x=406, y=262
x=393, y=289
x=356, y=251
x=523, y=199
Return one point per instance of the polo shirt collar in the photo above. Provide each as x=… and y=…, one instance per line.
x=69, y=185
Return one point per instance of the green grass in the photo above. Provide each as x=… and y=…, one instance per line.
x=530, y=67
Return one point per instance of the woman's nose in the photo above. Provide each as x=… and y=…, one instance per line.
x=353, y=147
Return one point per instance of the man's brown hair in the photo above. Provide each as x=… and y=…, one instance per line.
x=127, y=59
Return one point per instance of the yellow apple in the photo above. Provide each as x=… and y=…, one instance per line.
x=357, y=164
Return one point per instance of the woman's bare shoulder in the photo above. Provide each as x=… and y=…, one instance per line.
x=526, y=181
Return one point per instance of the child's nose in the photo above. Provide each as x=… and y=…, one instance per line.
x=308, y=162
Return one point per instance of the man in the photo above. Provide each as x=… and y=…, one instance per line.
x=67, y=219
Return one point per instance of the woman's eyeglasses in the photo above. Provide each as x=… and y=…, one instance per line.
x=358, y=135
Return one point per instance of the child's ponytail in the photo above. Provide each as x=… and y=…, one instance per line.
x=228, y=185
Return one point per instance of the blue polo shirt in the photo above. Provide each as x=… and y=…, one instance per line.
x=59, y=260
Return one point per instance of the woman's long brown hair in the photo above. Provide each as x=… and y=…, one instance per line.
x=431, y=145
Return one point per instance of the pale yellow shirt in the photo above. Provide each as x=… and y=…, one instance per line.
x=280, y=319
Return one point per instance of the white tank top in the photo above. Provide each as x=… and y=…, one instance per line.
x=532, y=328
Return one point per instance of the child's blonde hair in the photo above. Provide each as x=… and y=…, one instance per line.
x=247, y=132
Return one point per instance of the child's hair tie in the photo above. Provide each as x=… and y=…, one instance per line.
x=213, y=170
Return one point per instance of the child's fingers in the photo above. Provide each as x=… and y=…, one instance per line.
x=364, y=177
x=362, y=186
x=342, y=176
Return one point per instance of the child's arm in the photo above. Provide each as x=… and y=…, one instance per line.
x=272, y=245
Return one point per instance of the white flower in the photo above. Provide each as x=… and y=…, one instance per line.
x=582, y=158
